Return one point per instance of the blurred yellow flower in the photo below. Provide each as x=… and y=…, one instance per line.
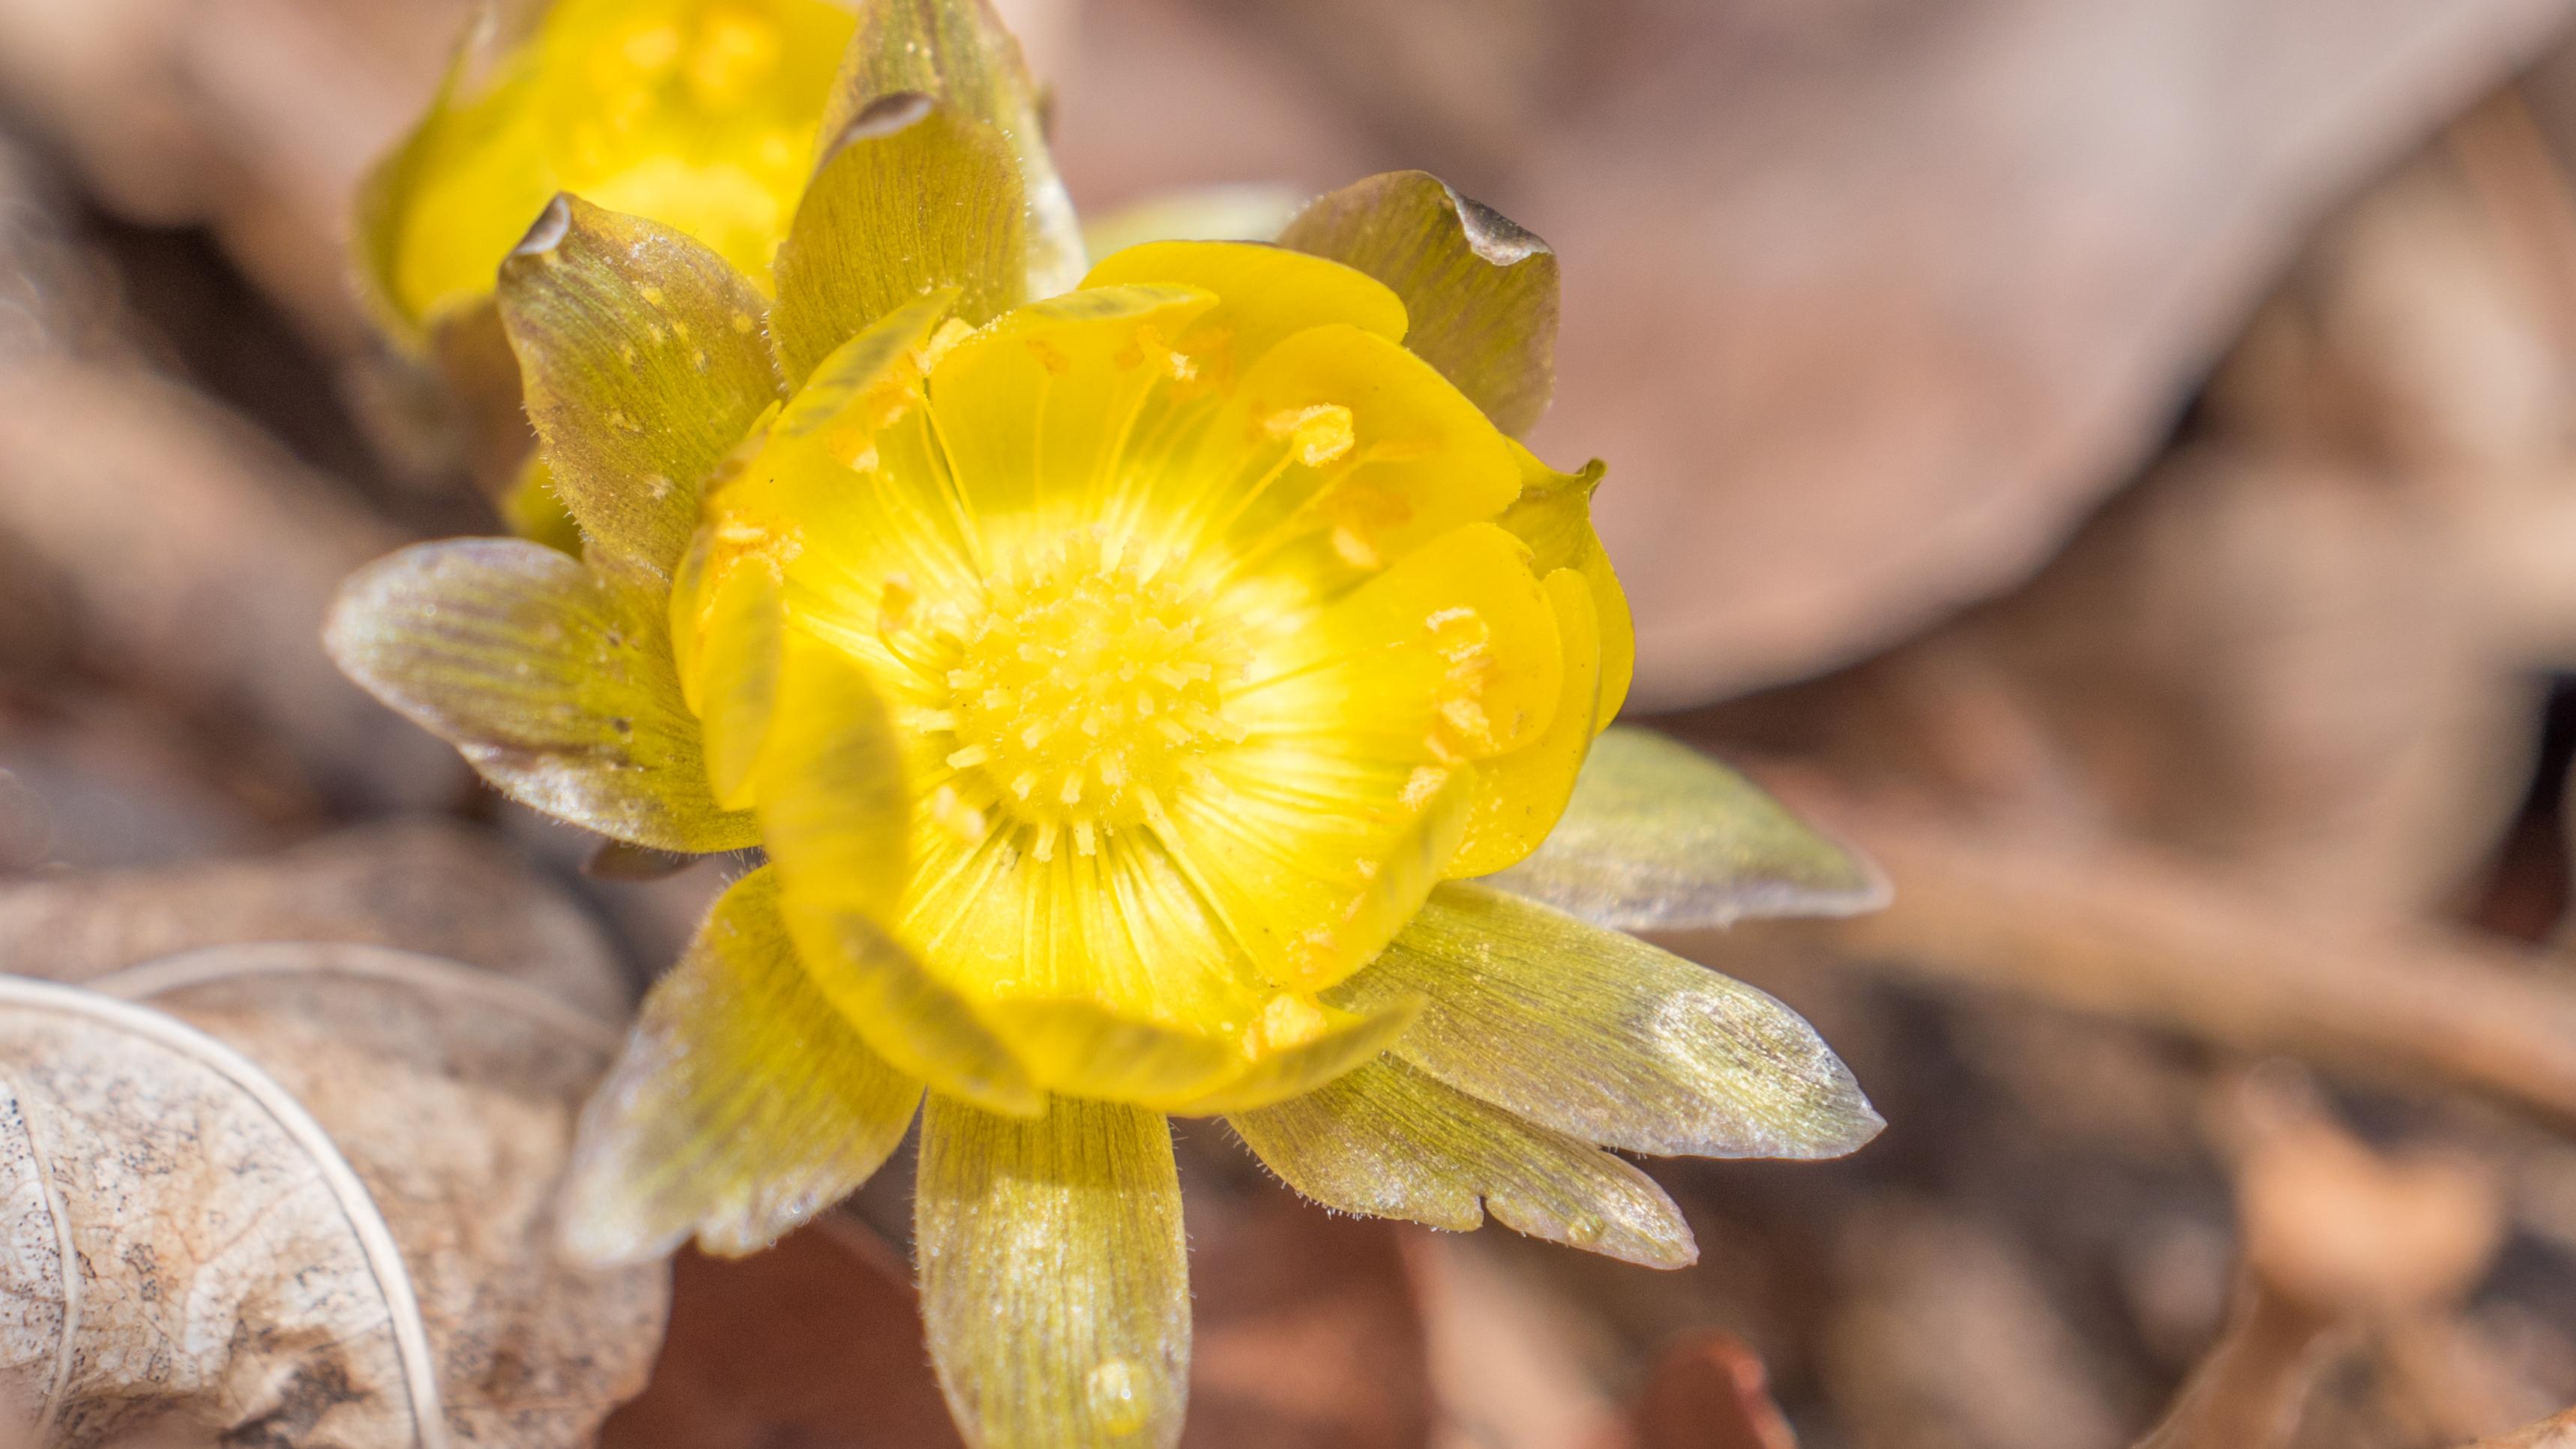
x=700, y=114
x=1124, y=671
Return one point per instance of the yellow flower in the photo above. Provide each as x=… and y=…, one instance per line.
x=700, y=114
x=1152, y=698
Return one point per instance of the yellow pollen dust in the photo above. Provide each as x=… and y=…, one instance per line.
x=1083, y=692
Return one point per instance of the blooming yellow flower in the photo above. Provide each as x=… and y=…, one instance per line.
x=1129, y=683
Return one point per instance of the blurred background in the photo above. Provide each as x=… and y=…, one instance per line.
x=2114, y=463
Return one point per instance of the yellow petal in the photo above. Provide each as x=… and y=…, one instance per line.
x=1520, y=795
x=1311, y=867
x=746, y=638
x=1605, y=1038
x=1267, y=293
x=1036, y=409
x=791, y=503
x=1388, y=1142
x=1405, y=458
x=1469, y=601
x=742, y=1106
x=1658, y=837
x=838, y=392
x=838, y=822
x=1482, y=292
x=835, y=813
x=1618, y=633
x=554, y=679
x=644, y=364
x=1553, y=515
x=1347, y=1040
x=915, y=197
x=959, y=51
x=1075, y=1045
x=1054, y=1276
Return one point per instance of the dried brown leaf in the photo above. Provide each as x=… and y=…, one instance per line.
x=308, y=1191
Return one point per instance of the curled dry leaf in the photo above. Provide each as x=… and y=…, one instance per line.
x=302, y=1196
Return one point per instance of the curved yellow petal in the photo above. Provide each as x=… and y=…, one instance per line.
x=553, y=678
x=913, y=198
x=1659, y=836
x=1469, y=601
x=1370, y=455
x=742, y=1105
x=644, y=363
x=1520, y=795
x=1481, y=291
x=835, y=813
x=1344, y=1043
x=959, y=51
x=1054, y=1275
x=1553, y=515
x=1037, y=409
x=1600, y=1036
x=1387, y=1141
x=1267, y=294
x=1075, y=1046
x=745, y=644
x=1618, y=634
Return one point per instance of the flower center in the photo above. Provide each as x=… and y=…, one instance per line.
x=1085, y=691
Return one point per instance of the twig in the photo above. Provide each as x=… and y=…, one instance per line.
x=2126, y=931
x=2249, y=1389
x=2338, y=1239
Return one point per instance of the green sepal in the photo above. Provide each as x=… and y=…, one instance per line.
x=1603, y=1037
x=960, y=52
x=1054, y=1275
x=742, y=1105
x=916, y=196
x=1387, y=1141
x=644, y=363
x=1660, y=837
x=1481, y=291
x=552, y=676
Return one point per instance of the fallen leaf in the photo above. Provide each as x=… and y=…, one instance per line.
x=302, y=1196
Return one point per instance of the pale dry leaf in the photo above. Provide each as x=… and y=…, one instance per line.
x=309, y=1194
